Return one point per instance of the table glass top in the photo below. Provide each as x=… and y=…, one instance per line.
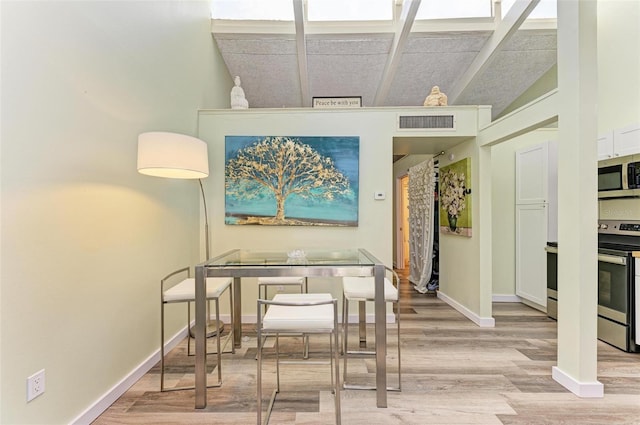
x=302, y=258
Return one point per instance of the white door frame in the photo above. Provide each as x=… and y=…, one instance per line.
x=400, y=260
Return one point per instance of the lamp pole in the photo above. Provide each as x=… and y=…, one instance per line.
x=206, y=222
x=213, y=327
x=178, y=156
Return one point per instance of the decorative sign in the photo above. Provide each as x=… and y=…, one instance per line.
x=337, y=102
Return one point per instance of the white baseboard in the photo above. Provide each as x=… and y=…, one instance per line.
x=107, y=399
x=483, y=322
x=581, y=389
x=534, y=305
x=505, y=298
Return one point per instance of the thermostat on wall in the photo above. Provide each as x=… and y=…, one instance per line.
x=379, y=195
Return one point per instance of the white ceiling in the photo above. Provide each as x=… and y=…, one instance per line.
x=475, y=62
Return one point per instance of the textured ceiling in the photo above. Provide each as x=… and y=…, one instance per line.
x=354, y=64
x=286, y=66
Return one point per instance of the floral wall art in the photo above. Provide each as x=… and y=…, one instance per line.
x=291, y=181
x=455, y=198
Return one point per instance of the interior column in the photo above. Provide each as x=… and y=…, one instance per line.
x=577, y=199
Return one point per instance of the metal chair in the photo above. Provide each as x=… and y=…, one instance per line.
x=293, y=314
x=362, y=289
x=184, y=292
x=264, y=283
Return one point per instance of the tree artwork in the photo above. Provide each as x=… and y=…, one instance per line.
x=283, y=180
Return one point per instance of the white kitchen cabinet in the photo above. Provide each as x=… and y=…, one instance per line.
x=619, y=142
x=532, y=174
x=626, y=141
x=531, y=258
x=536, y=218
x=605, y=146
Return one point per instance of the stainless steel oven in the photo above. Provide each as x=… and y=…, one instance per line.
x=617, y=241
x=618, y=294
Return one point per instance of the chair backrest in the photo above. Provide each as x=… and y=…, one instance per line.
x=306, y=313
x=169, y=280
x=395, y=279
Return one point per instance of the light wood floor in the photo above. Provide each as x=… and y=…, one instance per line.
x=453, y=373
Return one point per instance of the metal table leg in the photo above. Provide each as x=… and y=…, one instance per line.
x=237, y=313
x=362, y=323
x=381, y=337
x=201, y=339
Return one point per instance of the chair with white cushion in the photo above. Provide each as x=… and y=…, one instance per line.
x=264, y=283
x=184, y=292
x=293, y=314
x=362, y=289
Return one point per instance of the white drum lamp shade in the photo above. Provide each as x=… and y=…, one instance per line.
x=172, y=155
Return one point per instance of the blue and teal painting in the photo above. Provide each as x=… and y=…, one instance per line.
x=291, y=181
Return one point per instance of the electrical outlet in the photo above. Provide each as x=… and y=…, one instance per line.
x=35, y=385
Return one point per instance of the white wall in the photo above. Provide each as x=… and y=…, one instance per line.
x=85, y=238
x=374, y=231
x=503, y=207
x=618, y=63
x=618, y=83
x=459, y=255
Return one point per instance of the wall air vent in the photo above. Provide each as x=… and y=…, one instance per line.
x=418, y=122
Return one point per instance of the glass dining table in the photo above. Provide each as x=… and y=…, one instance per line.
x=239, y=263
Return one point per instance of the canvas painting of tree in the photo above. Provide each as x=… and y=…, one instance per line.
x=291, y=181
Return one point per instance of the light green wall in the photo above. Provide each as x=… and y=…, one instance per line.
x=459, y=256
x=545, y=84
x=85, y=238
x=503, y=207
x=618, y=67
x=376, y=128
x=374, y=231
x=618, y=64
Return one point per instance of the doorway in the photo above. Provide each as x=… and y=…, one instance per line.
x=404, y=220
x=404, y=256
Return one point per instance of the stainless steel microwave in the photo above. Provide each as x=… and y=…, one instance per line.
x=619, y=177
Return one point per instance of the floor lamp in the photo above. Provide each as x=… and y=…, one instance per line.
x=177, y=156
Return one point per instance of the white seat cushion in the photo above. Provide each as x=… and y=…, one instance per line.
x=304, y=318
x=280, y=280
x=363, y=288
x=185, y=290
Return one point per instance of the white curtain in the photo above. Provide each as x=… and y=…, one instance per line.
x=421, y=187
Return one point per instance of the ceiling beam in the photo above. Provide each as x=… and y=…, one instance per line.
x=505, y=30
x=301, y=47
x=407, y=17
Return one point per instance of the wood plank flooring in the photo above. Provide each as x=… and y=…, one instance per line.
x=453, y=373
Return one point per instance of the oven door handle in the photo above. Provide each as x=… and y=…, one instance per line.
x=612, y=259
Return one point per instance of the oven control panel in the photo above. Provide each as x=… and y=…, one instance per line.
x=619, y=227
x=630, y=227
